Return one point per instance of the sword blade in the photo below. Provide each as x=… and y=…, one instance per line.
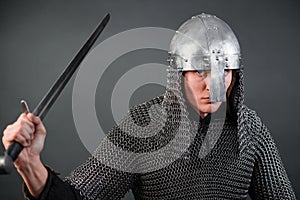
x=46, y=103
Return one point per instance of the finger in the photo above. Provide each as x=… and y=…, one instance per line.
x=28, y=131
x=36, y=120
x=39, y=126
x=22, y=140
x=25, y=128
x=22, y=115
x=18, y=128
x=24, y=120
x=13, y=134
x=11, y=131
x=18, y=138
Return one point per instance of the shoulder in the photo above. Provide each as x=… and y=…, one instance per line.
x=256, y=129
x=254, y=122
x=147, y=104
x=141, y=114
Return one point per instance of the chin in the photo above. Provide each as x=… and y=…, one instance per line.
x=209, y=107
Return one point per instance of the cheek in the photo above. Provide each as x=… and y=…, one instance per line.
x=193, y=88
x=188, y=89
x=190, y=92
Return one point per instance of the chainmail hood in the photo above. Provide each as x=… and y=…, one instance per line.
x=206, y=42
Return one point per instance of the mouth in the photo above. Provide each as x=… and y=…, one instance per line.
x=205, y=99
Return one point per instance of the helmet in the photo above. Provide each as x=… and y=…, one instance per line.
x=206, y=42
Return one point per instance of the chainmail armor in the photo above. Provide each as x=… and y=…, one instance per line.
x=244, y=159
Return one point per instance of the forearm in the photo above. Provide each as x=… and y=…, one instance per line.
x=35, y=176
x=54, y=189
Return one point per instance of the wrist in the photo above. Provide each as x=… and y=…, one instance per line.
x=34, y=175
x=26, y=165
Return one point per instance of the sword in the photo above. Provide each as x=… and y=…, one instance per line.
x=41, y=110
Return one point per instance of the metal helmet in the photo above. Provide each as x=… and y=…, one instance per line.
x=206, y=42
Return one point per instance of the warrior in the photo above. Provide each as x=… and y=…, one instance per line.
x=196, y=141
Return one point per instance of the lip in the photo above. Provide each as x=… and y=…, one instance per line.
x=205, y=99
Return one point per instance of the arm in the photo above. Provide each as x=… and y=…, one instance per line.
x=269, y=180
x=40, y=182
x=92, y=179
x=54, y=189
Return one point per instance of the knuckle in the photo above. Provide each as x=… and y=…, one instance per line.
x=22, y=122
x=27, y=142
x=6, y=130
x=8, y=127
x=44, y=132
x=26, y=136
x=19, y=130
x=18, y=138
x=30, y=137
x=22, y=140
x=4, y=135
x=18, y=123
x=31, y=125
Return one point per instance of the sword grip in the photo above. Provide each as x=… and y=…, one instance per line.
x=14, y=150
x=7, y=161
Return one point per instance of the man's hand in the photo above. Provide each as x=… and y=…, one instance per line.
x=30, y=132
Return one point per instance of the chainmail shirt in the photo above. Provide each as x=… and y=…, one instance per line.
x=244, y=160
x=223, y=174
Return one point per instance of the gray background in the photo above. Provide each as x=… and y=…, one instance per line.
x=39, y=38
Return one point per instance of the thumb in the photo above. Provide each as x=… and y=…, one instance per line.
x=34, y=119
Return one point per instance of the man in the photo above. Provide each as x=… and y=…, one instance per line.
x=185, y=144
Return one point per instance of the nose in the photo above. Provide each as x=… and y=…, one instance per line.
x=207, y=82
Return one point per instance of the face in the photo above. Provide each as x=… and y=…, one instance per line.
x=197, y=90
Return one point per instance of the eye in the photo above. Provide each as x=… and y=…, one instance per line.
x=201, y=73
